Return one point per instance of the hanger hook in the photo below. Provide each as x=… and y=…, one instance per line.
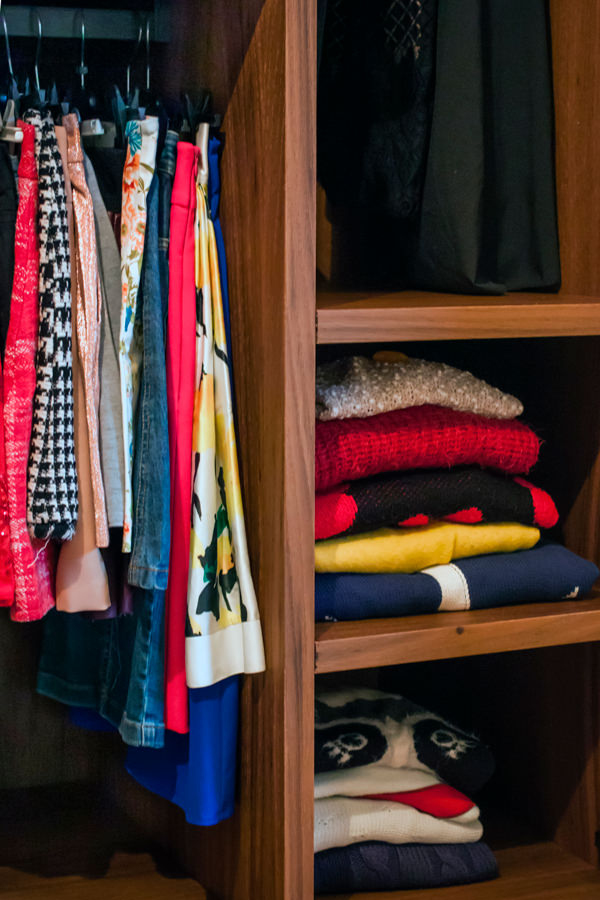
x=147, y=52
x=82, y=69
x=132, y=60
x=36, y=65
x=8, y=53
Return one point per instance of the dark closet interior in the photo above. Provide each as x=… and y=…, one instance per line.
x=526, y=679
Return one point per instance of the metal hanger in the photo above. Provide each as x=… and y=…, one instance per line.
x=149, y=102
x=38, y=50
x=82, y=69
x=37, y=97
x=13, y=91
x=7, y=41
x=8, y=130
x=92, y=126
x=148, y=53
x=131, y=62
x=202, y=135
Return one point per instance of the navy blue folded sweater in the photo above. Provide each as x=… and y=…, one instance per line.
x=374, y=866
x=548, y=572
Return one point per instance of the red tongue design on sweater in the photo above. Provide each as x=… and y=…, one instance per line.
x=439, y=800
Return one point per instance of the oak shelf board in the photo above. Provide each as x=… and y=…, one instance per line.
x=362, y=316
x=343, y=646
x=539, y=871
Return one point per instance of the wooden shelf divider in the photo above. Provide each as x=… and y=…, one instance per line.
x=342, y=646
x=363, y=316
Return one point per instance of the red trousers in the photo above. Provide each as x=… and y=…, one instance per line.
x=181, y=368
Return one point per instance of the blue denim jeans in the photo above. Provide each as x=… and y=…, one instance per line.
x=166, y=173
x=149, y=565
x=117, y=666
x=113, y=666
x=135, y=666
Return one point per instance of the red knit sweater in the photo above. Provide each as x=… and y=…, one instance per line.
x=417, y=438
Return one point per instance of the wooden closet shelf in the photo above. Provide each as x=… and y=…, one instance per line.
x=129, y=878
x=342, y=646
x=529, y=872
x=360, y=316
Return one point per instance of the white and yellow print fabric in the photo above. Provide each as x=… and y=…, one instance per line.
x=223, y=631
x=142, y=139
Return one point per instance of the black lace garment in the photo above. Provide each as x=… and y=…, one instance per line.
x=375, y=96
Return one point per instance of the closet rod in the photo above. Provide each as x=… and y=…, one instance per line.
x=107, y=24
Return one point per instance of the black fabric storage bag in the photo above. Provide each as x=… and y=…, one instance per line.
x=488, y=218
x=452, y=187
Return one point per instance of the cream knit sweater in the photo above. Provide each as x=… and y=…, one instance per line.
x=372, y=779
x=340, y=821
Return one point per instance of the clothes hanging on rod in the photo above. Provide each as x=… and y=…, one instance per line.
x=111, y=414
x=8, y=219
x=128, y=393
x=137, y=176
x=52, y=506
x=196, y=771
x=81, y=582
x=32, y=561
x=89, y=305
x=223, y=630
x=181, y=367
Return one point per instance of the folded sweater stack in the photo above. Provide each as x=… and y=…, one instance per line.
x=390, y=812
x=421, y=501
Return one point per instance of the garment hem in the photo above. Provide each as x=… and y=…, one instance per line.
x=18, y=614
x=148, y=578
x=65, y=692
x=235, y=650
x=137, y=734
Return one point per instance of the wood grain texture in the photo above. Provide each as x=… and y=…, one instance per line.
x=360, y=316
x=537, y=710
x=130, y=877
x=533, y=872
x=343, y=646
x=572, y=379
x=576, y=63
x=268, y=216
x=209, y=42
x=324, y=236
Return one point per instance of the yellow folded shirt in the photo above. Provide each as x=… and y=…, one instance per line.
x=413, y=549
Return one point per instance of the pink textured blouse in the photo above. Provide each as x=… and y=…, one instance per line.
x=32, y=560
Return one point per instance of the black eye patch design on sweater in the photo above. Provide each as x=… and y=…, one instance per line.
x=357, y=727
x=341, y=746
x=457, y=757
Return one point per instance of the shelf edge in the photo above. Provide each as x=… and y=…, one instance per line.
x=344, y=646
